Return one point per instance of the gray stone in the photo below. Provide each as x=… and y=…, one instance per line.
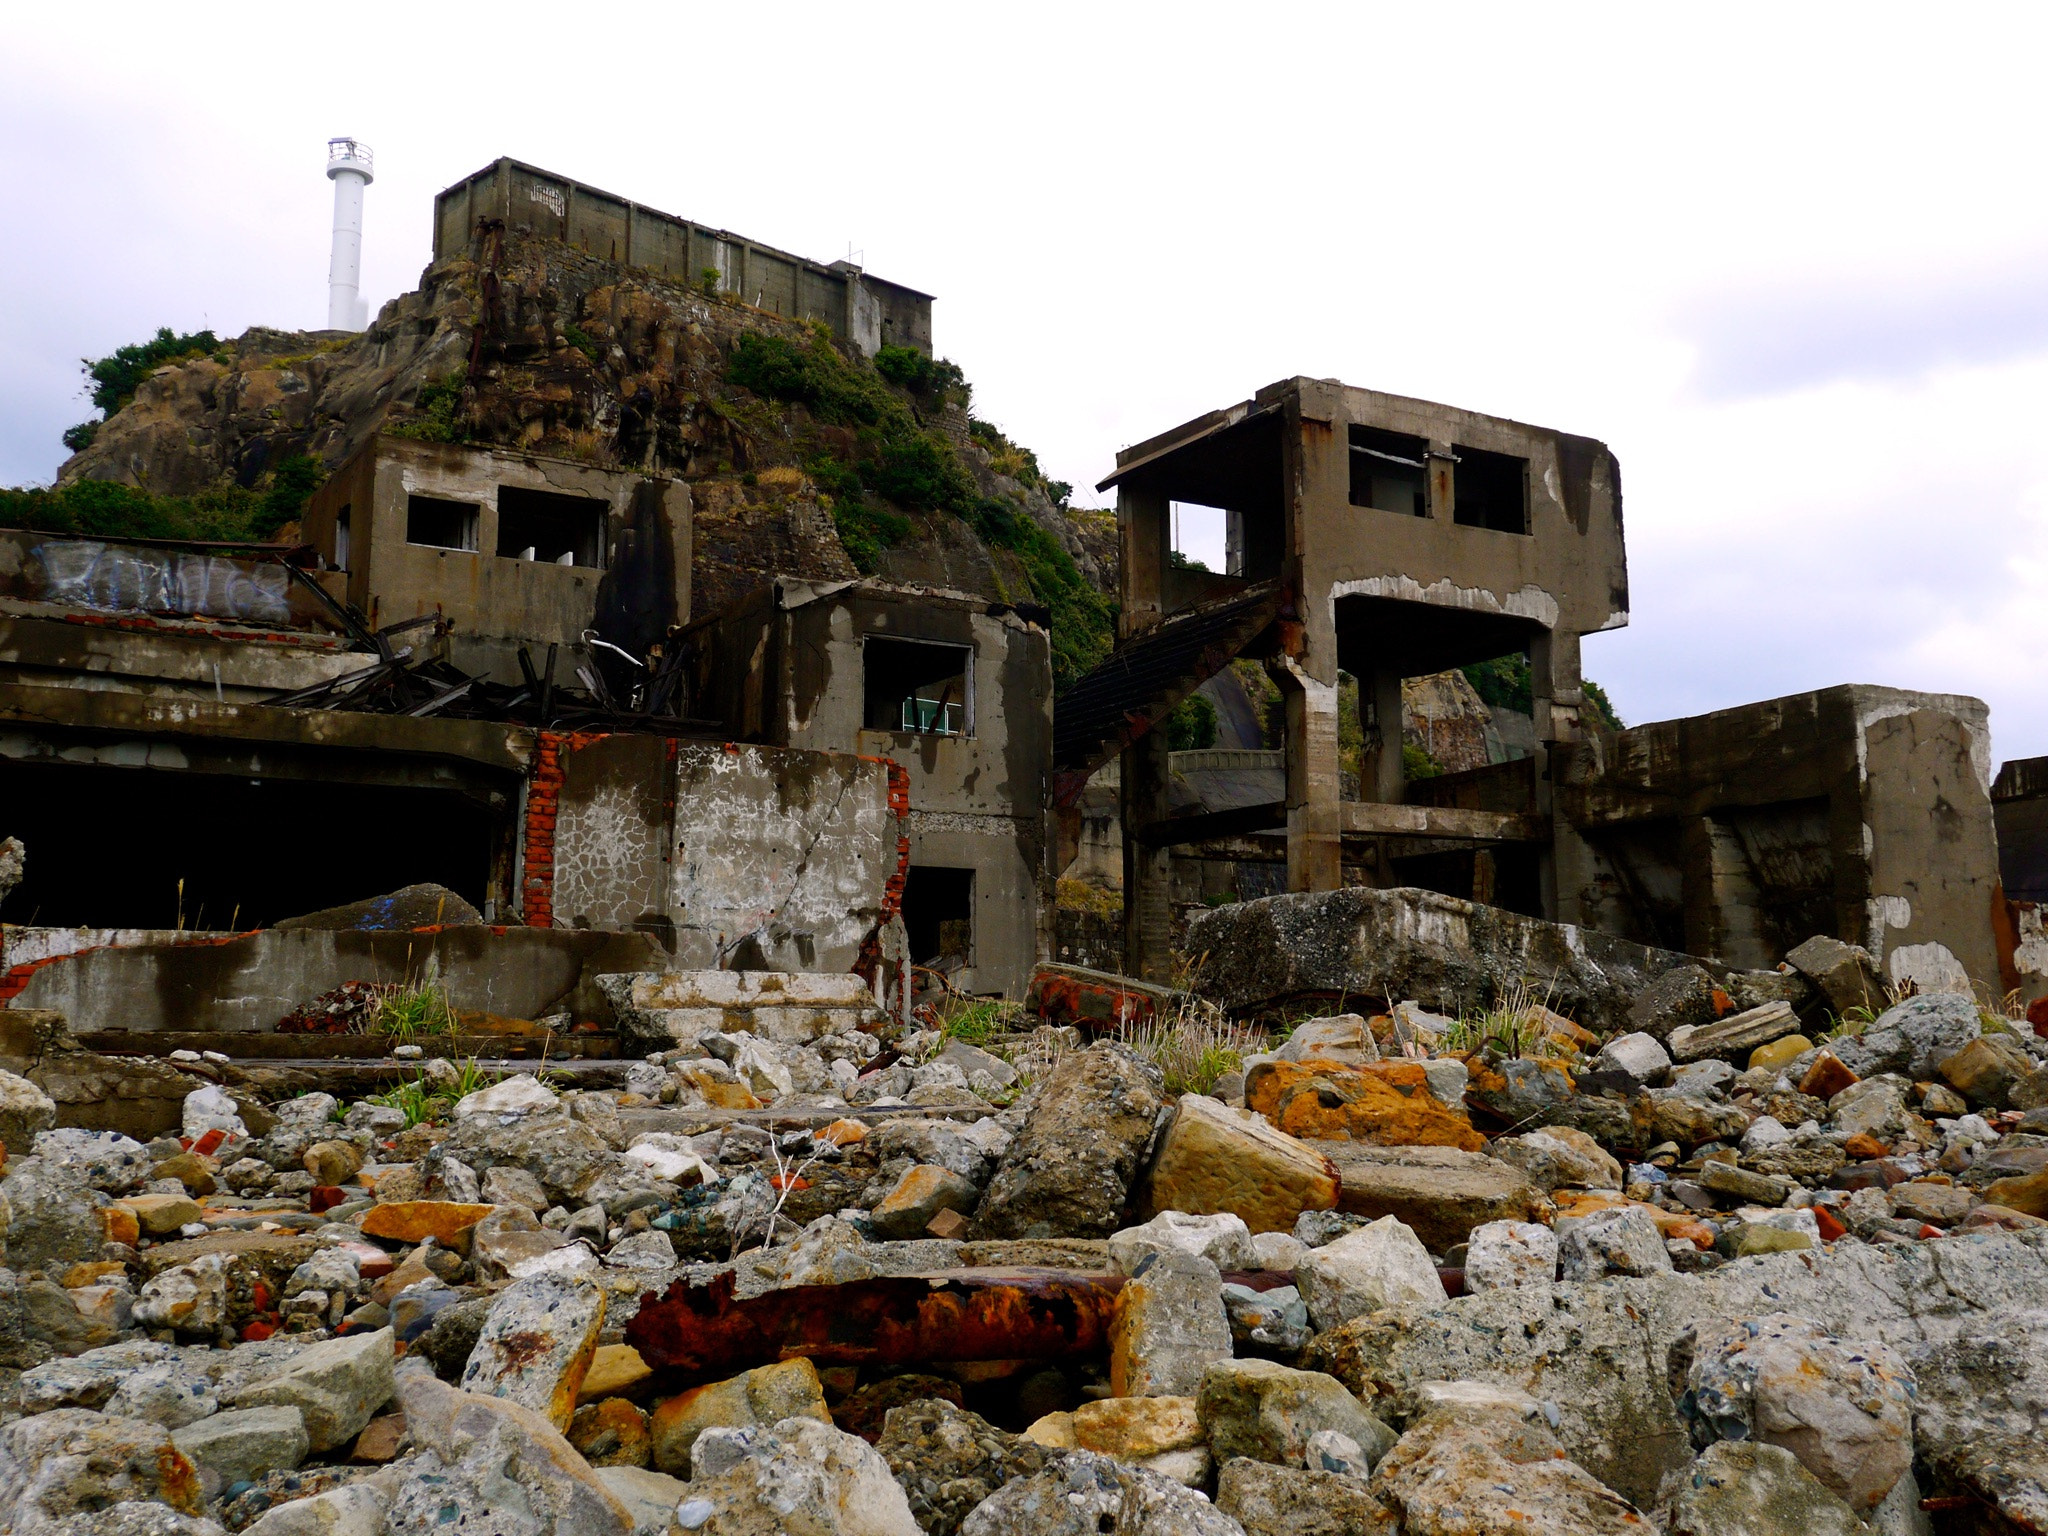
x=1682, y=997
x=1069, y=1171
x=970, y=1150
x=1510, y=1253
x=1736, y=1035
x=74, y=1462
x=111, y=1163
x=1282, y=1501
x=90, y=1379
x=1276, y=1319
x=948, y=1460
x=1747, y=1488
x=413, y=906
x=642, y=1250
x=1845, y=973
x=1492, y=1473
x=354, y=1509
x=1082, y=1494
x=1844, y=1409
x=1170, y=1325
x=1222, y=1239
x=1622, y=1241
x=25, y=1111
x=52, y=1216
x=565, y=1156
x=1557, y=1157
x=174, y=1394
x=536, y=1344
x=246, y=1443
x=1914, y=1038
x=499, y=1467
x=1876, y=1107
x=507, y=1185
x=1637, y=1054
x=337, y=1384
x=1382, y=1264
x=1267, y=1411
x=799, y=1476
x=191, y=1298
x=1343, y=1038
x=650, y=1497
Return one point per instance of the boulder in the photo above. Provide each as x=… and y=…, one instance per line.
x=1080, y=1494
x=131, y=1094
x=798, y=1476
x=111, y=1163
x=613, y=1433
x=52, y=1217
x=564, y=1155
x=536, y=1345
x=1343, y=1039
x=1845, y=973
x=1737, y=1035
x=191, y=1298
x=1070, y=1169
x=1844, y=1409
x=947, y=1460
x=1682, y=997
x=1438, y=950
x=1557, y=1156
x=506, y=1185
x=77, y=1463
x=1915, y=1037
x=480, y=1454
x=245, y=1444
x=1986, y=1070
x=1282, y=1501
x=211, y=1109
x=1222, y=1240
x=642, y=1250
x=1218, y=1159
x=1386, y=1104
x=1510, y=1253
x=768, y=1395
x=1170, y=1324
x=1268, y=1412
x=160, y=1215
x=337, y=1385
x=1383, y=1264
x=25, y=1112
x=1493, y=1473
x=1623, y=1240
x=1749, y=1488
x=1441, y=1192
x=1272, y=1319
x=650, y=1497
x=173, y=1392
x=1637, y=1054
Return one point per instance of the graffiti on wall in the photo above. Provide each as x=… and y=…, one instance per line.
x=122, y=578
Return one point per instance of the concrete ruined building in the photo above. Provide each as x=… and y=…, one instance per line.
x=533, y=1004
x=1389, y=539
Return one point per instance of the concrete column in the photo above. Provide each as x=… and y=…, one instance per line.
x=1385, y=779
x=1556, y=694
x=1144, y=536
x=1315, y=827
x=1723, y=905
x=1148, y=872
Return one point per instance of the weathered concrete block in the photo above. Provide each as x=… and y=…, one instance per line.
x=1170, y=1325
x=1268, y=1411
x=1383, y=1264
x=1215, y=1159
x=536, y=1345
x=245, y=1443
x=1440, y=1192
x=760, y=1397
x=337, y=1385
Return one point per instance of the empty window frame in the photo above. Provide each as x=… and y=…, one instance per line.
x=1491, y=490
x=919, y=686
x=551, y=527
x=440, y=524
x=341, y=538
x=938, y=916
x=1389, y=470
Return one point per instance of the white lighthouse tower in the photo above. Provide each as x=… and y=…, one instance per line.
x=348, y=167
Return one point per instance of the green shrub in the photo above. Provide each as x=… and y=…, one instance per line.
x=581, y=340
x=1083, y=620
x=1502, y=682
x=104, y=510
x=921, y=472
x=297, y=476
x=932, y=377
x=1192, y=725
x=435, y=412
x=116, y=377
x=1416, y=763
x=79, y=438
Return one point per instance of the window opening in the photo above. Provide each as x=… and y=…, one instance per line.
x=938, y=916
x=440, y=524
x=1390, y=471
x=1492, y=491
x=918, y=686
x=341, y=538
x=1200, y=537
x=550, y=526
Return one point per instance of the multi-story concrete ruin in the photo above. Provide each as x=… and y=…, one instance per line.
x=1390, y=538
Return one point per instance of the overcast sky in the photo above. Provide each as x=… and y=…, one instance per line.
x=1787, y=261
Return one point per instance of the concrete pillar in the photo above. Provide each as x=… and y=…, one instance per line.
x=1385, y=779
x=1144, y=536
x=1146, y=766
x=1555, y=696
x=1315, y=827
x=1723, y=905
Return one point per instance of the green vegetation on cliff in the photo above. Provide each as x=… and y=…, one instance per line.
x=104, y=510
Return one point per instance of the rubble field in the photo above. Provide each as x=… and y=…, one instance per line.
x=1765, y=1257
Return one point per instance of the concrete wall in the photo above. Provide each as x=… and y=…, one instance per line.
x=864, y=310
x=238, y=590
x=734, y=857
x=1857, y=811
x=249, y=981
x=496, y=603
x=788, y=667
x=165, y=660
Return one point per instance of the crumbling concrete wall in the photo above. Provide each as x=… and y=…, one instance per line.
x=248, y=981
x=2019, y=804
x=730, y=856
x=1856, y=811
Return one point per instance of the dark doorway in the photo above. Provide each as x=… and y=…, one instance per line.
x=107, y=847
x=938, y=916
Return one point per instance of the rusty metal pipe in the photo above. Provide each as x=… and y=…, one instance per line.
x=960, y=1314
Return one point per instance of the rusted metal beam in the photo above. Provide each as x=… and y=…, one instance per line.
x=704, y=1332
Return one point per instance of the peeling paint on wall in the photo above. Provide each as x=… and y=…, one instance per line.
x=1529, y=602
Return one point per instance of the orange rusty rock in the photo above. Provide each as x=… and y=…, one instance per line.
x=380, y=1439
x=1827, y=1076
x=1864, y=1146
x=844, y=1133
x=1385, y=1104
x=119, y=1225
x=414, y=1221
x=1698, y=1233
